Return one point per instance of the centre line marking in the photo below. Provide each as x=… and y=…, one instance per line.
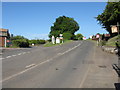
x=34, y=66
x=31, y=65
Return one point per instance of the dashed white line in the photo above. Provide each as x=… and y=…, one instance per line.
x=25, y=70
x=23, y=52
x=8, y=56
x=19, y=53
x=2, y=58
x=27, y=52
x=14, y=55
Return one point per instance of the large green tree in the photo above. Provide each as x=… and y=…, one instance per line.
x=62, y=25
x=110, y=16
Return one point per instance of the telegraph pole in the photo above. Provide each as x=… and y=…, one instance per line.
x=118, y=28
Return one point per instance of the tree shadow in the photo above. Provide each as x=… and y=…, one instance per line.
x=117, y=67
x=117, y=86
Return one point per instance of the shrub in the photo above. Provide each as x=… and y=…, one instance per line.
x=21, y=43
x=102, y=43
x=37, y=41
x=42, y=41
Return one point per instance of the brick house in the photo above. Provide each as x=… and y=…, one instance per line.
x=4, y=37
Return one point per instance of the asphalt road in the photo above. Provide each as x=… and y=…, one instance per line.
x=63, y=66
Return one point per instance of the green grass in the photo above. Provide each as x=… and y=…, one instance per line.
x=112, y=41
x=49, y=44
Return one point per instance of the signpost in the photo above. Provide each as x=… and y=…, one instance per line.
x=61, y=38
x=53, y=39
x=114, y=29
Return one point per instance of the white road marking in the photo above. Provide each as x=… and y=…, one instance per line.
x=59, y=54
x=31, y=65
x=24, y=71
x=1, y=53
x=34, y=66
x=23, y=52
x=72, y=48
x=28, y=52
x=14, y=55
x=8, y=56
x=2, y=58
x=19, y=53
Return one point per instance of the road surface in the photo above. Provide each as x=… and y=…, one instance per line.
x=63, y=66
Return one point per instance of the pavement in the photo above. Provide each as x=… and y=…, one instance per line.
x=79, y=64
x=101, y=74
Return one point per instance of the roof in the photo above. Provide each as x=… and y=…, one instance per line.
x=4, y=30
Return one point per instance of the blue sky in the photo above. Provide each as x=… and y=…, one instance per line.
x=34, y=19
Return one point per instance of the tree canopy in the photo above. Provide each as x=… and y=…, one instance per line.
x=110, y=16
x=62, y=25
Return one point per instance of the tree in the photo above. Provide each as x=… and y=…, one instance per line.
x=110, y=16
x=79, y=36
x=62, y=25
x=67, y=36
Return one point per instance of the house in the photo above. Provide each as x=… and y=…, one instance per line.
x=4, y=37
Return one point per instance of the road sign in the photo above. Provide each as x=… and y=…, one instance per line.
x=97, y=36
x=114, y=29
x=84, y=38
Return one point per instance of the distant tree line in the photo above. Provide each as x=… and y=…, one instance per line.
x=20, y=41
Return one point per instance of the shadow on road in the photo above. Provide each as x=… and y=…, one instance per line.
x=117, y=86
x=117, y=67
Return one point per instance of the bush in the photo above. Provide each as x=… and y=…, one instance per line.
x=42, y=41
x=102, y=43
x=37, y=41
x=20, y=43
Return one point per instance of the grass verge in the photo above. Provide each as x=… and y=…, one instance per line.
x=49, y=44
x=113, y=41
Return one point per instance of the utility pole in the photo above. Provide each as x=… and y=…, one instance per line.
x=118, y=27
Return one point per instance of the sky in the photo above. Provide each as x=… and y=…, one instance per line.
x=34, y=19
